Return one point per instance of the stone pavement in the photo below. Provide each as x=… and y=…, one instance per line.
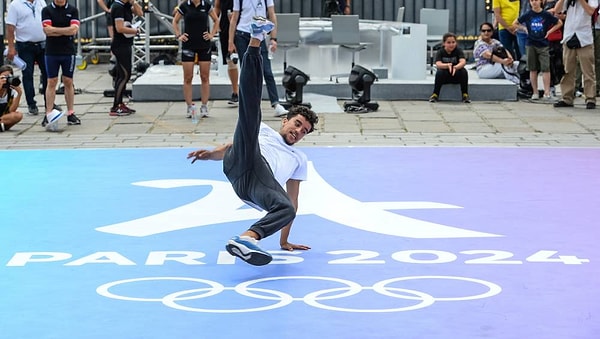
x=396, y=123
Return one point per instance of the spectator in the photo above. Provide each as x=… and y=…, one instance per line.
x=239, y=37
x=122, y=13
x=26, y=37
x=105, y=5
x=224, y=9
x=540, y=24
x=60, y=21
x=506, y=12
x=10, y=97
x=450, y=62
x=196, y=45
x=336, y=7
x=578, y=43
x=488, y=65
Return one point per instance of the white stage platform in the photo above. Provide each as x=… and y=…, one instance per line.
x=164, y=83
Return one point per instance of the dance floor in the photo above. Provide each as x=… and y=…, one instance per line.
x=406, y=243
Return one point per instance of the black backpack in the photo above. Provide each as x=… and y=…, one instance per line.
x=331, y=7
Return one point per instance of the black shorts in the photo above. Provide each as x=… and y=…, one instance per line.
x=189, y=55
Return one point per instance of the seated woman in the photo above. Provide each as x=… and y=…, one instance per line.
x=450, y=62
x=490, y=66
x=10, y=96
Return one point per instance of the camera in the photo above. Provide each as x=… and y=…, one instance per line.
x=12, y=80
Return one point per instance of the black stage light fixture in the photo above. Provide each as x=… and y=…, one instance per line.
x=294, y=81
x=360, y=81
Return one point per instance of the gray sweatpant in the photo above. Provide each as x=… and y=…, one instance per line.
x=247, y=170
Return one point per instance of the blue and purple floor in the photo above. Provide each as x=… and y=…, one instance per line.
x=406, y=243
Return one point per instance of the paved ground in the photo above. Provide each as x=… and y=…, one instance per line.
x=396, y=123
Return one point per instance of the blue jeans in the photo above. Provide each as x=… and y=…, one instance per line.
x=509, y=41
x=32, y=53
x=243, y=164
x=522, y=43
x=241, y=41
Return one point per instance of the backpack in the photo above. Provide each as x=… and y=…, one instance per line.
x=331, y=7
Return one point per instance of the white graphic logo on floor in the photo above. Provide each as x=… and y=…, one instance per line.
x=317, y=197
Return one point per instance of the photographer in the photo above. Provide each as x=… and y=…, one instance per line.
x=10, y=97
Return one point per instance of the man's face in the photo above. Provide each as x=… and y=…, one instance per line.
x=294, y=129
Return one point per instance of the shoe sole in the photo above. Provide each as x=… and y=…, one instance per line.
x=73, y=123
x=252, y=257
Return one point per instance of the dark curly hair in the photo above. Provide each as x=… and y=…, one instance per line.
x=306, y=112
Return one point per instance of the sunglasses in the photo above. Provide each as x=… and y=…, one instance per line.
x=486, y=30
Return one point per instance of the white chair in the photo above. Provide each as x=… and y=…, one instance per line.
x=400, y=16
x=438, y=24
x=288, y=33
x=345, y=32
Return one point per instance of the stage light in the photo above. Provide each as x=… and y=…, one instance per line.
x=360, y=81
x=294, y=81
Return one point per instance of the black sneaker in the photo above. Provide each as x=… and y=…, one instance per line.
x=466, y=99
x=234, y=99
x=33, y=109
x=56, y=107
x=590, y=105
x=45, y=121
x=72, y=119
x=433, y=98
x=562, y=103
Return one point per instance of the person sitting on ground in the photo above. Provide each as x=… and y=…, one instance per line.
x=488, y=65
x=450, y=62
x=10, y=97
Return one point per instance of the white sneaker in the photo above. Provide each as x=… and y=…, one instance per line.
x=578, y=93
x=535, y=96
x=190, y=111
x=52, y=118
x=280, y=110
x=203, y=111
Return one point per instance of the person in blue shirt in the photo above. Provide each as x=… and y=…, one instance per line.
x=540, y=24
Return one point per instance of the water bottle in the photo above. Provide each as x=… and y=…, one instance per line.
x=195, y=115
x=17, y=62
x=270, y=48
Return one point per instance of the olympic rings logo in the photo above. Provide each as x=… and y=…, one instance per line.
x=278, y=299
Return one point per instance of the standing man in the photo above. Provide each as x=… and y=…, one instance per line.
x=122, y=12
x=239, y=38
x=26, y=37
x=578, y=44
x=60, y=21
x=224, y=9
x=260, y=161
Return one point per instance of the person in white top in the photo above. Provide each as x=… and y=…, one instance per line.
x=25, y=37
x=239, y=37
x=261, y=161
x=578, y=44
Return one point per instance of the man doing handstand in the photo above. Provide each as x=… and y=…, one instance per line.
x=260, y=160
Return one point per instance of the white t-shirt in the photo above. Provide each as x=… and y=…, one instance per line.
x=287, y=162
x=250, y=9
x=578, y=21
x=27, y=19
x=4, y=101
